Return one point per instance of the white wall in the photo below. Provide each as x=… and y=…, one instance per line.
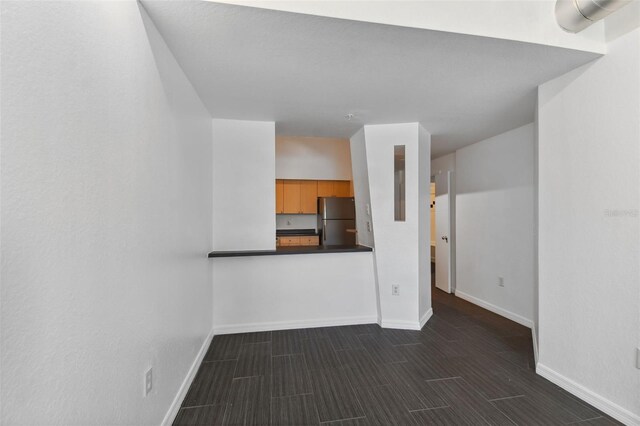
x=312, y=158
x=528, y=21
x=424, y=223
x=294, y=291
x=589, y=229
x=494, y=223
x=441, y=165
x=397, y=254
x=244, y=185
x=106, y=216
x=361, y=189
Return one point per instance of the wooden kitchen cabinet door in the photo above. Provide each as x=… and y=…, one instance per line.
x=279, y=196
x=309, y=196
x=325, y=188
x=342, y=188
x=291, y=191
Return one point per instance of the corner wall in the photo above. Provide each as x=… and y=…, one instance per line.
x=495, y=224
x=589, y=230
x=398, y=255
x=106, y=216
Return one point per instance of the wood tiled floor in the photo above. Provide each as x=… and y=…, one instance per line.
x=467, y=366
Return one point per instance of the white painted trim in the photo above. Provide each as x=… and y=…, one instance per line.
x=402, y=325
x=186, y=383
x=426, y=317
x=495, y=309
x=287, y=325
x=601, y=403
x=535, y=343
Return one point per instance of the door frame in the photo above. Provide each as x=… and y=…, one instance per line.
x=451, y=231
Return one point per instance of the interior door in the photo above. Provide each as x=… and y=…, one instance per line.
x=443, y=233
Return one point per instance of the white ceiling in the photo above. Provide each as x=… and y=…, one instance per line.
x=307, y=72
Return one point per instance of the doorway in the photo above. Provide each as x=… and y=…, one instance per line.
x=442, y=209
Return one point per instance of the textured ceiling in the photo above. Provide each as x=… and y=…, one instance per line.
x=307, y=72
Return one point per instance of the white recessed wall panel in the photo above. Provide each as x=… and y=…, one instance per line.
x=494, y=223
x=106, y=216
x=244, y=185
x=589, y=229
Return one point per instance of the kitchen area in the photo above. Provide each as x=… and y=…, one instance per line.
x=314, y=213
x=314, y=194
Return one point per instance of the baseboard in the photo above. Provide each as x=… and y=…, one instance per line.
x=184, y=388
x=426, y=317
x=402, y=325
x=287, y=325
x=534, y=337
x=614, y=410
x=495, y=309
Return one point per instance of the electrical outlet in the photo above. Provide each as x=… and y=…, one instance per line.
x=369, y=226
x=500, y=281
x=395, y=290
x=638, y=358
x=148, y=381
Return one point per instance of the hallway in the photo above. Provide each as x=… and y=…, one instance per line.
x=467, y=366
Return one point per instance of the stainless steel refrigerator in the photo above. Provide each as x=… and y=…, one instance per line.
x=337, y=221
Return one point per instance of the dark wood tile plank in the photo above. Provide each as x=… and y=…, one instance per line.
x=334, y=396
x=364, y=375
x=290, y=376
x=360, y=421
x=358, y=329
x=468, y=403
x=382, y=406
x=402, y=337
x=342, y=338
x=286, y=342
x=211, y=384
x=445, y=416
x=257, y=337
x=254, y=360
x=225, y=346
x=521, y=410
x=489, y=380
x=380, y=350
x=319, y=354
x=249, y=402
x=198, y=416
x=415, y=393
x=297, y=410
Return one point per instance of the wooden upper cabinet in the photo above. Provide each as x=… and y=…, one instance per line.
x=279, y=196
x=291, y=197
x=341, y=188
x=309, y=196
x=325, y=188
x=301, y=196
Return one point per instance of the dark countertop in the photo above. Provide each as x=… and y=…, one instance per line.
x=295, y=232
x=292, y=250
